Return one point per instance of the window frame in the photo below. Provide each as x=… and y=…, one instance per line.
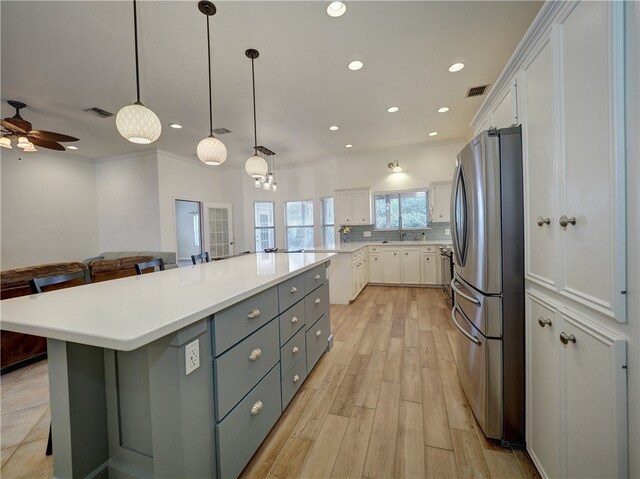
x=287, y=226
x=261, y=228
x=324, y=225
x=399, y=194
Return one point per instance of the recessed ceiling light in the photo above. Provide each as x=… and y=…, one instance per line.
x=336, y=9
x=71, y=147
x=456, y=67
x=349, y=145
x=443, y=109
x=433, y=133
x=177, y=126
x=392, y=109
x=355, y=65
x=334, y=127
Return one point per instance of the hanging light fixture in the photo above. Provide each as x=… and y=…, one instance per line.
x=23, y=142
x=211, y=151
x=256, y=167
x=395, y=167
x=30, y=147
x=136, y=122
x=5, y=142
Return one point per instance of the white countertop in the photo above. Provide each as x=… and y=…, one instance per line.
x=127, y=313
x=353, y=246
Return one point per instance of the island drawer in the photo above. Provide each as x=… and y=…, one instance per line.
x=291, y=352
x=316, y=304
x=291, y=321
x=314, y=278
x=292, y=382
x=240, y=368
x=291, y=291
x=317, y=340
x=240, y=320
x=244, y=429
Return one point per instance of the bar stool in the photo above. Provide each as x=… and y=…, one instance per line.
x=202, y=257
x=150, y=264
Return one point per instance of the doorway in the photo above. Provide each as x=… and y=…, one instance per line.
x=218, y=230
x=188, y=230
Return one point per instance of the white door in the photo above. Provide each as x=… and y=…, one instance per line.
x=429, y=268
x=361, y=207
x=391, y=266
x=442, y=199
x=375, y=268
x=218, y=229
x=342, y=204
x=410, y=265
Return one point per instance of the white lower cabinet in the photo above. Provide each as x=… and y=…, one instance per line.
x=391, y=265
x=428, y=268
x=375, y=268
x=410, y=265
x=576, y=393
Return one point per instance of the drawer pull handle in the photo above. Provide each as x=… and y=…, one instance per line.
x=295, y=350
x=253, y=314
x=566, y=338
x=257, y=408
x=564, y=221
x=294, y=320
x=543, y=221
x=318, y=301
x=317, y=277
x=318, y=333
x=296, y=378
x=255, y=354
x=544, y=322
x=294, y=290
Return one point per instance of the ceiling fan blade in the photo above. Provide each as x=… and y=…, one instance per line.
x=17, y=125
x=51, y=136
x=52, y=145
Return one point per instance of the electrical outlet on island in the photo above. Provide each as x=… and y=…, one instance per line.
x=192, y=356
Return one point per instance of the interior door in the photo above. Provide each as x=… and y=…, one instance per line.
x=218, y=229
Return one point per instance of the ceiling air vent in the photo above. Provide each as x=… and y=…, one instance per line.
x=221, y=131
x=99, y=112
x=477, y=90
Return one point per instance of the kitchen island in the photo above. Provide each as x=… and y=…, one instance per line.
x=180, y=373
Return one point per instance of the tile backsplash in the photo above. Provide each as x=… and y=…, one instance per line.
x=434, y=233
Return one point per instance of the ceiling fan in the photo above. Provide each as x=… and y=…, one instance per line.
x=18, y=127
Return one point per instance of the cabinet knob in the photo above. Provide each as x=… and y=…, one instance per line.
x=394, y=254
x=255, y=354
x=316, y=277
x=406, y=254
x=566, y=338
x=544, y=322
x=256, y=408
x=253, y=314
x=295, y=350
x=543, y=221
x=294, y=320
x=564, y=221
x=318, y=333
x=296, y=378
x=294, y=290
x=317, y=301
x=428, y=258
x=375, y=259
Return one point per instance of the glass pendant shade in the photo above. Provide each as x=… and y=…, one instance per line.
x=23, y=142
x=256, y=167
x=138, y=124
x=257, y=183
x=212, y=151
x=5, y=142
x=30, y=147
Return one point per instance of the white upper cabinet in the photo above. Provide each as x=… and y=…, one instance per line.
x=353, y=207
x=440, y=201
x=505, y=113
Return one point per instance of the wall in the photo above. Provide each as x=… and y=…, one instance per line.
x=128, y=206
x=48, y=208
x=421, y=164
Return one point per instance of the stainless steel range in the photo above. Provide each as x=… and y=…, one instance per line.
x=446, y=264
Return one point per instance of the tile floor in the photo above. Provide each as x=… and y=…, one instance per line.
x=24, y=421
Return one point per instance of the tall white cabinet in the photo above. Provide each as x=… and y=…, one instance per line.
x=570, y=102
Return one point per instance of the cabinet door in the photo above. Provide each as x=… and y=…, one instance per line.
x=365, y=270
x=543, y=386
x=539, y=169
x=355, y=271
x=410, y=265
x=361, y=207
x=505, y=112
x=375, y=268
x=343, y=208
x=442, y=207
x=391, y=266
x=428, y=268
x=596, y=401
x=593, y=123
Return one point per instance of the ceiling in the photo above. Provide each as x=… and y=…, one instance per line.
x=63, y=57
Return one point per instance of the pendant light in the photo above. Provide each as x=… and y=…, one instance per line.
x=136, y=122
x=211, y=151
x=256, y=167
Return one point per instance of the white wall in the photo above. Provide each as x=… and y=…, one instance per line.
x=48, y=209
x=128, y=207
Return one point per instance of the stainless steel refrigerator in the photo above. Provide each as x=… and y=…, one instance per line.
x=488, y=283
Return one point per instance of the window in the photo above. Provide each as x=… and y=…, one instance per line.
x=328, y=223
x=402, y=210
x=265, y=230
x=299, y=221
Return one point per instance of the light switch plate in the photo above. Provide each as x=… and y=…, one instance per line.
x=366, y=234
x=447, y=232
x=192, y=356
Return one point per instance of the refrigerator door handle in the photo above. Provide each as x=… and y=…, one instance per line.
x=459, y=292
x=470, y=337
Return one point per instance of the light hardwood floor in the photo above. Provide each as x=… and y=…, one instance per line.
x=385, y=402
